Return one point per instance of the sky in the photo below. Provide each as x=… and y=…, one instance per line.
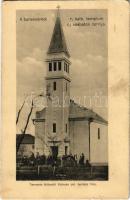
x=87, y=46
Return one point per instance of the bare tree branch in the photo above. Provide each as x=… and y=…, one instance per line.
x=25, y=128
x=27, y=122
x=17, y=119
x=24, y=131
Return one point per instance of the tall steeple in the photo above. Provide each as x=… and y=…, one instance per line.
x=58, y=43
x=58, y=87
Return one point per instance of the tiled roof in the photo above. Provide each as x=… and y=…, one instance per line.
x=27, y=139
x=41, y=114
x=81, y=112
x=76, y=112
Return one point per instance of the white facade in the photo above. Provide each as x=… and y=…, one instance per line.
x=64, y=127
x=98, y=143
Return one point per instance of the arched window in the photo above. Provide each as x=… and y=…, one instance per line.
x=66, y=87
x=64, y=66
x=66, y=150
x=54, y=85
x=98, y=133
x=54, y=127
x=50, y=66
x=66, y=128
x=68, y=68
x=59, y=66
x=55, y=66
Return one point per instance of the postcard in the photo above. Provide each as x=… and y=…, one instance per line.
x=65, y=83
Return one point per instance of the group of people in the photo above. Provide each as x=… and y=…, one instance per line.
x=65, y=160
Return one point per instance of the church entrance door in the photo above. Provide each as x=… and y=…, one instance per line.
x=54, y=150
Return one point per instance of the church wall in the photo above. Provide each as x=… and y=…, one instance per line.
x=57, y=112
x=57, y=127
x=53, y=58
x=98, y=143
x=26, y=150
x=39, y=137
x=79, y=137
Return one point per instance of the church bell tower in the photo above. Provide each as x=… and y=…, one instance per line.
x=58, y=92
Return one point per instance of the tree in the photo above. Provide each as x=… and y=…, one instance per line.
x=25, y=128
x=27, y=122
x=17, y=119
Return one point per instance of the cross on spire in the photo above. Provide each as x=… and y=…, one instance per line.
x=58, y=10
x=58, y=7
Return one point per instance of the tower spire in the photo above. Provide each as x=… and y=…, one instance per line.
x=58, y=43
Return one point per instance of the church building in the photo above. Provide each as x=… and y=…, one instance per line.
x=64, y=127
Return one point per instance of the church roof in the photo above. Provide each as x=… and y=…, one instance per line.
x=58, y=43
x=76, y=112
x=27, y=139
x=41, y=114
x=80, y=112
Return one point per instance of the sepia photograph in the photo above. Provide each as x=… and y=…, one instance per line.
x=62, y=86
x=65, y=100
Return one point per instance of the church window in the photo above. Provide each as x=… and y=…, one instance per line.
x=68, y=68
x=55, y=66
x=66, y=128
x=66, y=87
x=50, y=66
x=66, y=150
x=59, y=66
x=98, y=133
x=54, y=85
x=64, y=66
x=54, y=127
